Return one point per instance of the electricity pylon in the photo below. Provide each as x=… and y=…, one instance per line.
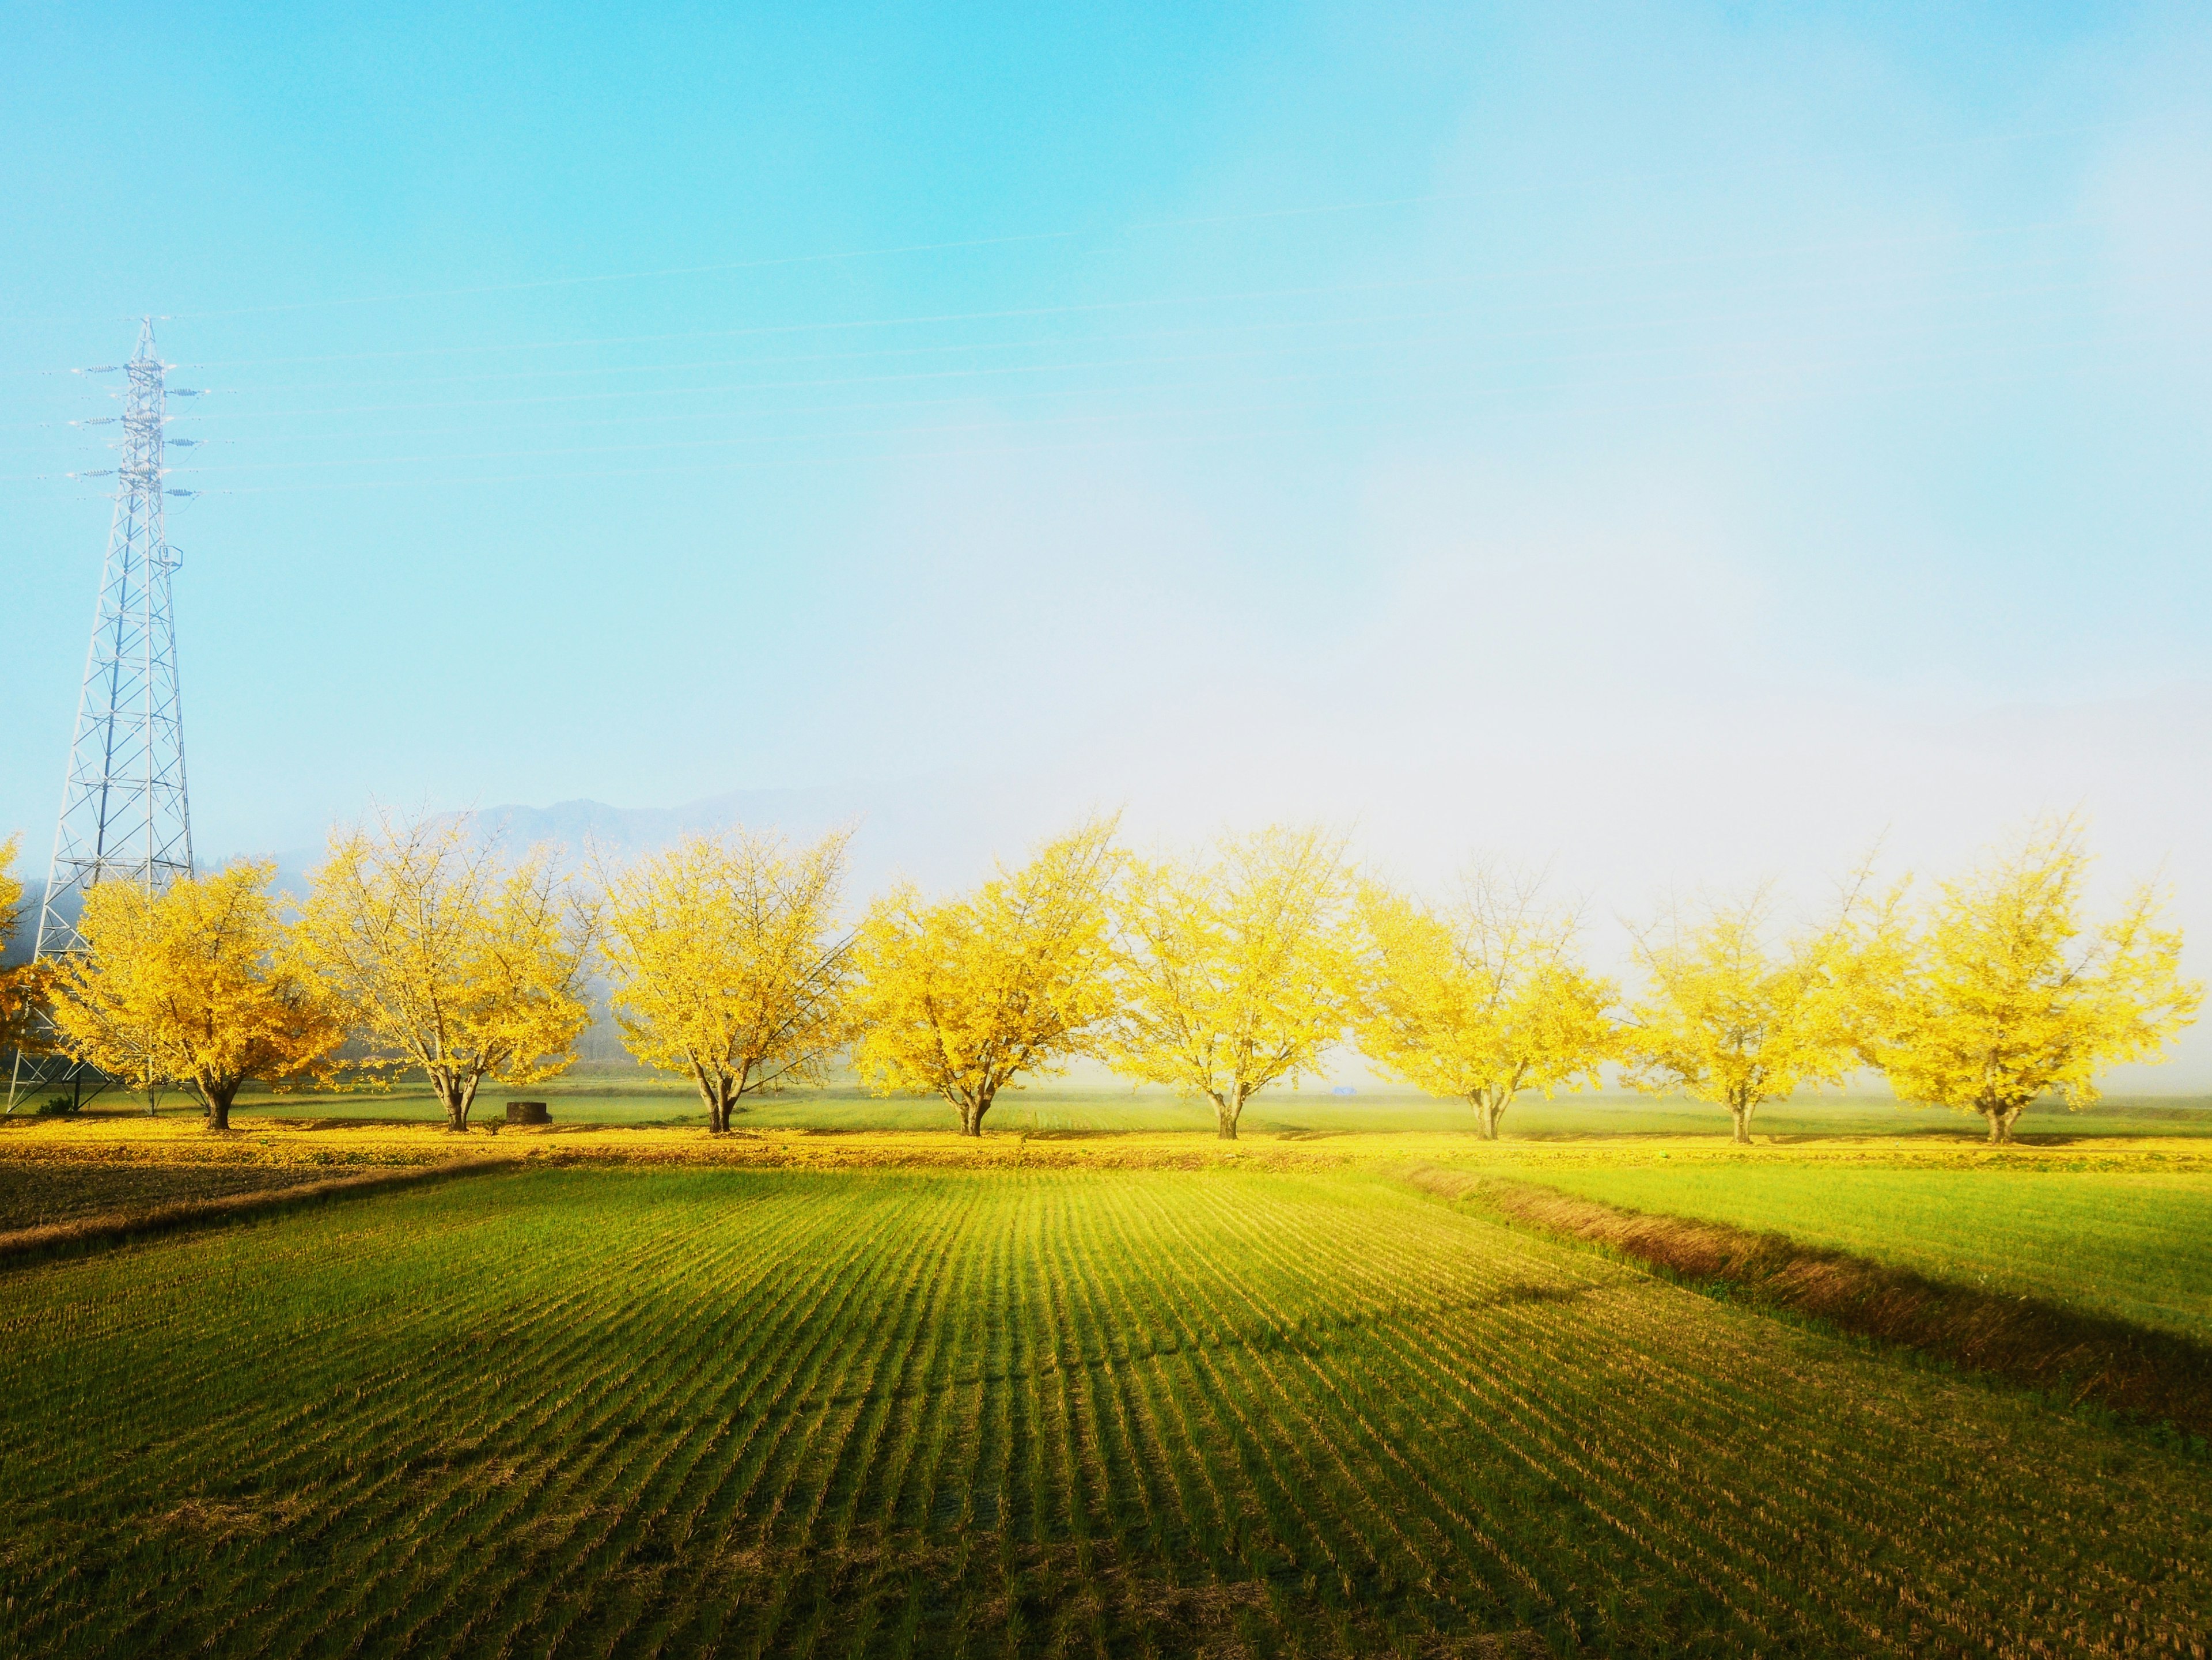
x=124, y=816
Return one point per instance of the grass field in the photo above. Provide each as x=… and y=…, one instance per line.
x=847, y=1383
x=1003, y=1411
x=626, y=1097
x=2135, y=1243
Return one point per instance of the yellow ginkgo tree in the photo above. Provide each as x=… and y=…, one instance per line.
x=1230, y=970
x=1479, y=998
x=962, y=998
x=727, y=964
x=448, y=958
x=104, y=1006
x=1729, y=1016
x=22, y=988
x=192, y=985
x=2006, y=994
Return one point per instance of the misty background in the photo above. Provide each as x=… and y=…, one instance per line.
x=1680, y=447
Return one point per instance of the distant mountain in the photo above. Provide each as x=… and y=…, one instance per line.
x=941, y=830
x=579, y=823
x=938, y=829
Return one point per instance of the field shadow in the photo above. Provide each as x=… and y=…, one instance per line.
x=1509, y=1296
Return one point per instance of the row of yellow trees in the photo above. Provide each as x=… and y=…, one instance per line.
x=1220, y=975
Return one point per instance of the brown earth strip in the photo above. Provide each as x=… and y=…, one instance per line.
x=2155, y=1375
x=22, y=1245
x=36, y=1193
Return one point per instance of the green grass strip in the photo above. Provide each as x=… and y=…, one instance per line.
x=2158, y=1376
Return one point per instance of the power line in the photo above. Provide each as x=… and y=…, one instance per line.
x=1576, y=412
x=992, y=372
x=479, y=377
x=1243, y=297
x=1153, y=441
x=1310, y=291
x=969, y=373
x=1713, y=374
x=1148, y=387
x=1103, y=306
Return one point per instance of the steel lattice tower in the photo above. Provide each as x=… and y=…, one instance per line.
x=124, y=816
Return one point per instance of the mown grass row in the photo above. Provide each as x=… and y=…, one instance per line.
x=1010, y=1412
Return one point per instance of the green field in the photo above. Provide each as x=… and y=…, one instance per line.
x=2135, y=1244
x=600, y=1411
x=627, y=1096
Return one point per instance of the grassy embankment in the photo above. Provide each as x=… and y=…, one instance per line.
x=2132, y=1243
x=1019, y=1410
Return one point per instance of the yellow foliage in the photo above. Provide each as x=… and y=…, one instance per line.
x=961, y=998
x=1230, y=972
x=449, y=958
x=336, y=1146
x=724, y=964
x=11, y=890
x=23, y=987
x=1480, y=998
x=2002, y=999
x=1727, y=1018
x=191, y=987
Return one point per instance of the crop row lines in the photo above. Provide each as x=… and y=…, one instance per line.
x=1060, y=1412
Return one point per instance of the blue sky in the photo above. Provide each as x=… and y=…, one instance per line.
x=1624, y=434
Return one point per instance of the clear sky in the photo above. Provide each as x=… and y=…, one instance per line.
x=1678, y=442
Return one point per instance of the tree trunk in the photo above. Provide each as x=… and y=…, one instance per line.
x=1226, y=1115
x=710, y=1095
x=218, y=1108
x=455, y=1096
x=1487, y=1113
x=2001, y=1122
x=1742, y=1115
x=971, y=1115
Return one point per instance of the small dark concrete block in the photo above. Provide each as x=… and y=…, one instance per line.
x=527, y=1112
